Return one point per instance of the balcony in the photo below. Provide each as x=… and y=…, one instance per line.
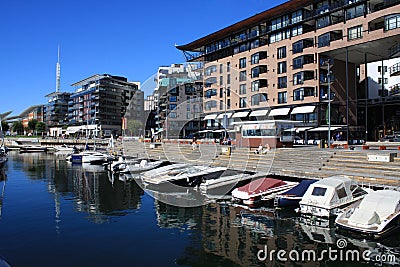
x=395, y=70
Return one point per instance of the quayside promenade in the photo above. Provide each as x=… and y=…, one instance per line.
x=300, y=162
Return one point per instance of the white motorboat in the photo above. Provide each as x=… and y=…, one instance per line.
x=376, y=215
x=92, y=157
x=327, y=197
x=262, y=189
x=64, y=149
x=182, y=174
x=227, y=180
x=144, y=165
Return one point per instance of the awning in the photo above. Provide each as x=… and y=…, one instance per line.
x=205, y=131
x=303, y=109
x=210, y=117
x=259, y=113
x=241, y=114
x=298, y=129
x=73, y=129
x=221, y=116
x=324, y=129
x=279, y=112
x=218, y=131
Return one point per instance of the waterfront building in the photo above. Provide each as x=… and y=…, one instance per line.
x=31, y=113
x=135, y=115
x=178, y=98
x=283, y=62
x=99, y=104
x=55, y=112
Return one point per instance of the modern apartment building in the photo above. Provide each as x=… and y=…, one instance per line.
x=55, y=112
x=281, y=64
x=179, y=101
x=99, y=104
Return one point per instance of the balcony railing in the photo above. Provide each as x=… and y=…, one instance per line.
x=395, y=69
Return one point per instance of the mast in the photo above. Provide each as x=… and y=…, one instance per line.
x=58, y=71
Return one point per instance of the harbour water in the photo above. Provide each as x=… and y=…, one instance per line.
x=56, y=214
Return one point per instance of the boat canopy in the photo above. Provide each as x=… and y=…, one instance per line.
x=299, y=189
x=261, y=185
x=376, y=207
x=329, y=191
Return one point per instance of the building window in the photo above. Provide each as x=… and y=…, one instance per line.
x=323, y=22
x=297, y=16
x=220, y=68
x=242, y=102
x=210, y=93
x=221, y=105
x=210, y=104
x=300, y=93
x=228, y=79
x=324, y=40
x=210, y=70
x=172, y=115
x=228, y=91
x=242, y=89
x=228, y=67
x=281, y=67
x=221, y=80
x=255, y=58
x=228, y=104
x=282, y=82
x=300, y=77
x=221, y=92
x=281, y=52
x=172, y=99
x=380, y=69
x=255, y=86
x=187, y=107
x=242, y=76
x=355, y=12
x=282, y=97
x=298, y=63
x=392, y=22
x=172, y=106
x=385, y=80
x=258, y=98
x=298, y=30
x=242, y=63
x=355, y=33
x=210, y=81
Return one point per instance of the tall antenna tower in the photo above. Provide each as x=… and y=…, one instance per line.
x=58, y=72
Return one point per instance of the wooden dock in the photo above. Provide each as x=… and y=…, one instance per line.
x=300, y=162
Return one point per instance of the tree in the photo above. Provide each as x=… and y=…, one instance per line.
x=5, y=126
x=40, y=127
x=134, y=126
x=32, y=124
x=18, y=127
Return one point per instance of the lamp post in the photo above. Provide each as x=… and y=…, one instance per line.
x=225, y=117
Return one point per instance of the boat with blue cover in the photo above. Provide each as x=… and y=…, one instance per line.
x=292, y=197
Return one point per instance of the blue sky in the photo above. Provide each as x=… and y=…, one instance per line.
x=121, y=37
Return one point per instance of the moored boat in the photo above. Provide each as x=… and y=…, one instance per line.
x=92, y=157
x=292, y=197
x=376, y=215
x=182, y=174
x=327, y=197
x=32, y=149
x=261, y=189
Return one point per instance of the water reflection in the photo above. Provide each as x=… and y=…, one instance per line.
x=223, y=234
x=92, y=189
x=3, y=181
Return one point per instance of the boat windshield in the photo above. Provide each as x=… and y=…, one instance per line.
x=318, y=191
